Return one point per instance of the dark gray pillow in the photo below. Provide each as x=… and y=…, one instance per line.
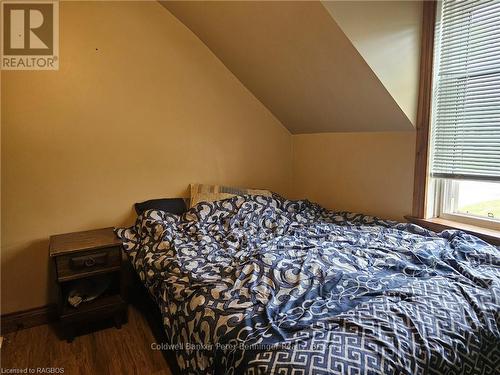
x=175, y=206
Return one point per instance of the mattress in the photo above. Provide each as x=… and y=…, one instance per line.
x=265, y=285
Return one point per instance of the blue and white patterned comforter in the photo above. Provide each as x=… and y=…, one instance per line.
x=264, y=285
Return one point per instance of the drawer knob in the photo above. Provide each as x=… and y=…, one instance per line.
x=90, y=262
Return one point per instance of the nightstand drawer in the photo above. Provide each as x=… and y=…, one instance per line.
x=84, y=263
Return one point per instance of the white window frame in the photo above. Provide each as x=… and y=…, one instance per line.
x=444, y=205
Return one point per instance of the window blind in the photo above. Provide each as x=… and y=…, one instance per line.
x=466, y=103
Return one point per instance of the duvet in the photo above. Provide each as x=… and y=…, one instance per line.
x=264, y=285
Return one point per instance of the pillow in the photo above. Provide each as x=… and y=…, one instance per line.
x=212, y=193
x=175, y=206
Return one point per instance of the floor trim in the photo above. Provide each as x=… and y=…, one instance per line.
x=28, y=318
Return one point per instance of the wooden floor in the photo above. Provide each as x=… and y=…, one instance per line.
x=108, y=351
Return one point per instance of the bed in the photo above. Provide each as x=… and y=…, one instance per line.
x=265, y=285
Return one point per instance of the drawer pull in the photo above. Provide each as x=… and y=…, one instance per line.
x=89, y=261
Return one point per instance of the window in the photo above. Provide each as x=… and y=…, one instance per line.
x=470, y=202
x=464, y=159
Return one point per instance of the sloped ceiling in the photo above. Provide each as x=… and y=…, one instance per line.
x=297, y=61
x=387, y=34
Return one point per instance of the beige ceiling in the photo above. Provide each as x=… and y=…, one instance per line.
x=387, y=34
x=297, y=61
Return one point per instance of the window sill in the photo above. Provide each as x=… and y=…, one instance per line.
x=438, y=224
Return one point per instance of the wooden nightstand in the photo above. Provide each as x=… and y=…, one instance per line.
x=90, y=258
